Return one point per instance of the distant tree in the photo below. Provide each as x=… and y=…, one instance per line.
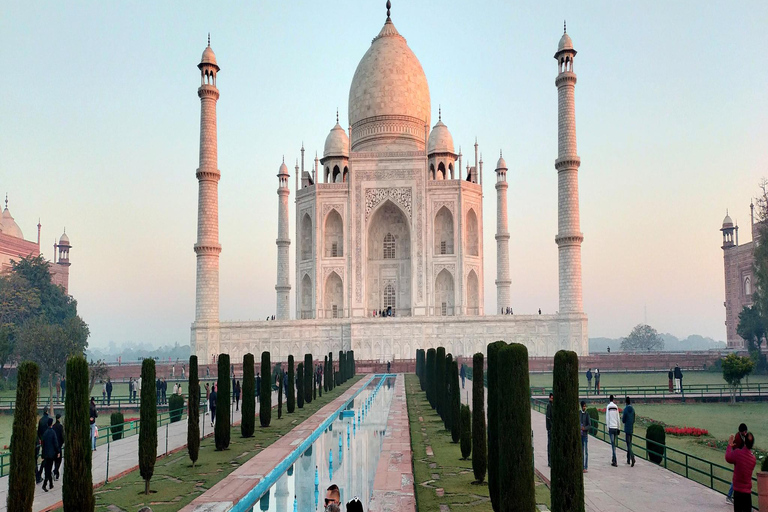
x=193, y=411
x=21, y=480
x=148, y=423
x=642, y=339
x=98, y=372
x=760, y=291
x=325, y=374
x=752, y=327
x=736, y=368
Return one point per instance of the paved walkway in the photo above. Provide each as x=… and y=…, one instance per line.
x=641, y=488
x=123, y=458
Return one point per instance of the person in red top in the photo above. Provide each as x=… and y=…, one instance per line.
x=743, y=461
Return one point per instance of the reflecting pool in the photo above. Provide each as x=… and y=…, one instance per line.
x=346, y=454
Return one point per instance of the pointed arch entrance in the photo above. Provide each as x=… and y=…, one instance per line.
x=388, y=260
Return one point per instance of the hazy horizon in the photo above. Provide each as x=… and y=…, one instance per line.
x=102, y=132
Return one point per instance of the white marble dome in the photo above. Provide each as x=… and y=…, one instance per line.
x=389, y=81
x=440, y=139
x=64, y=240
x=8, y=226
x=337, y=143
x=501, y=164
x=565, y=43
x=208, y=57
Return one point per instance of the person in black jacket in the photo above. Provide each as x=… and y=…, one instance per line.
x=50, y=453
x=163, y=390
x=59, y=429
x=42, y=426
x=109, y=391
x=212, y=404
x=548, y=416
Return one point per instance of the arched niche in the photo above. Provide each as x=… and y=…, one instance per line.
x=444, y=231
x=334, y=296
x=473, y=235
x=444, y=294
x=306, y=297
x=473, y=294
x=306, y=237
x=388, y=258
x=333, y=235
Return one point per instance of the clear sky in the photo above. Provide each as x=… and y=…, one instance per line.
x=100, y=131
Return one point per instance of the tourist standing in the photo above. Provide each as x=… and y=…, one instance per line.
x=58, y=387
x=586, y=424
x=744, y=462
x=258, y=387
x=136, y=388
x=42, y=427
x=175, y=388
x=671, y=375
x=612, y=422
x=237, y=395
x=678, y=379
x=628, y=419
x=589, y=380
x=548, y=417
x=130, y=390
x=739, y=443
x=103, y=393
x=158, y=390
x=93, y=415
x=109, y=391
x=463, y=375
x=50, y=453
x=212, y=404
x=59, y=429
x=164, y=390
x=207, y=394
x=597, y=381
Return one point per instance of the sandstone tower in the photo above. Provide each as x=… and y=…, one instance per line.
x=503, y=300
x=569, y=236
x=207, y=247
x=283, y=241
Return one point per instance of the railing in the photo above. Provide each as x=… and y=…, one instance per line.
x=705, y=472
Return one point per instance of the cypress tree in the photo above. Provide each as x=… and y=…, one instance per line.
x=291, y=399
x=248, y=411
x=315, y=383
x=439, y=380
x=280, y=397
x=21, y=480
x=265, y=407
x=320, y=384
x=456, y=404
x=478, y=419
x=341, y=367
x=332, y=382
x=517, y=494
x=223, y=403
x=325, y=374
x=448, y=394
x=352, y=369
x=466, y=432
x=193, y=412
x=308, y=380
x=567, y=474
x=77, y=488
x=493, y=422
x=300, y=385
x=147, y=422
x=429, y=375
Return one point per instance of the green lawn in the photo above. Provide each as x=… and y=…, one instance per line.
x=645, y=379
x=176, y=483
x=454, y=475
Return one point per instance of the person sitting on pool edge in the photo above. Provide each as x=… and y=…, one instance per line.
x=332, y=496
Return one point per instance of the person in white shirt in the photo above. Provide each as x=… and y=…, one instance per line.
x=175, y=389
x=613, y=423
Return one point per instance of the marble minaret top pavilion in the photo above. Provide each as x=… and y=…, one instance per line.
x=569, y=236
x=207, y=247
x=388, y=229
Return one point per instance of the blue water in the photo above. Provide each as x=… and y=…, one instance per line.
x=346, y=454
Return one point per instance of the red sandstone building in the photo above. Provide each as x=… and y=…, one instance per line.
x=739, y=276
x=13, y=247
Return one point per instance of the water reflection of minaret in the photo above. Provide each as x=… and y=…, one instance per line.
x=281, y=494
x=305, y=480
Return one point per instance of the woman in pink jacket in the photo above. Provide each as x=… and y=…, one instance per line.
x=743, y=461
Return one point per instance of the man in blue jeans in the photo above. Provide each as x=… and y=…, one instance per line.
x=628, y=419
x=613, y=424
x=586, y=423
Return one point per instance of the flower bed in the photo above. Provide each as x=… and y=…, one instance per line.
x=687, y=431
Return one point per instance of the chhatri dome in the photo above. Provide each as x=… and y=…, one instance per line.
x=727, y=221
x=440, y=139
x=8, y=226
x=208, y=56
x=389, y=96
x=337, y=142
x=501, y=164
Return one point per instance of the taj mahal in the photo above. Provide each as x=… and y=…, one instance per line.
x=389, y=230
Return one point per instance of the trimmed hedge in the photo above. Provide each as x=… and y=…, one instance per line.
x=116, y=420
x=265, y=400
x=223, y=403
x=148, y=424
x=479, y=462
x=175, y=407
x=440, y=381
x=280, y=387
x=493, y=422
x=448, y=393
x=248, y=411
x=300, y=385
x=290, y=400
x=429, y=374
x=193, y=412
x=567, y=475
x=516, y=491
x=308, y=381
x=655, y=442
x=466, y=432
x=21, y=480
x=325, y=374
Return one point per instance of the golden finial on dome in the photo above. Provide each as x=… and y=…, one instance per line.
x=389, y=6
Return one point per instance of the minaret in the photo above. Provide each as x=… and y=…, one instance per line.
x=207, y=247
x=502, y=238
x=283, y=285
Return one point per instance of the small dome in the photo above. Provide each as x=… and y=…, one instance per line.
x=8, y=226
x=64, y=240
x=283, y=169
x=440, y=139
x=727, y=221
x=337, y=143
x=501, y=164
x=209, y=57
x=565, y=43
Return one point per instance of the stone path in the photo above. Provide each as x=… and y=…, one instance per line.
x=393, y=486
x=641, y=488
x=123, y=458
x=237, y=484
